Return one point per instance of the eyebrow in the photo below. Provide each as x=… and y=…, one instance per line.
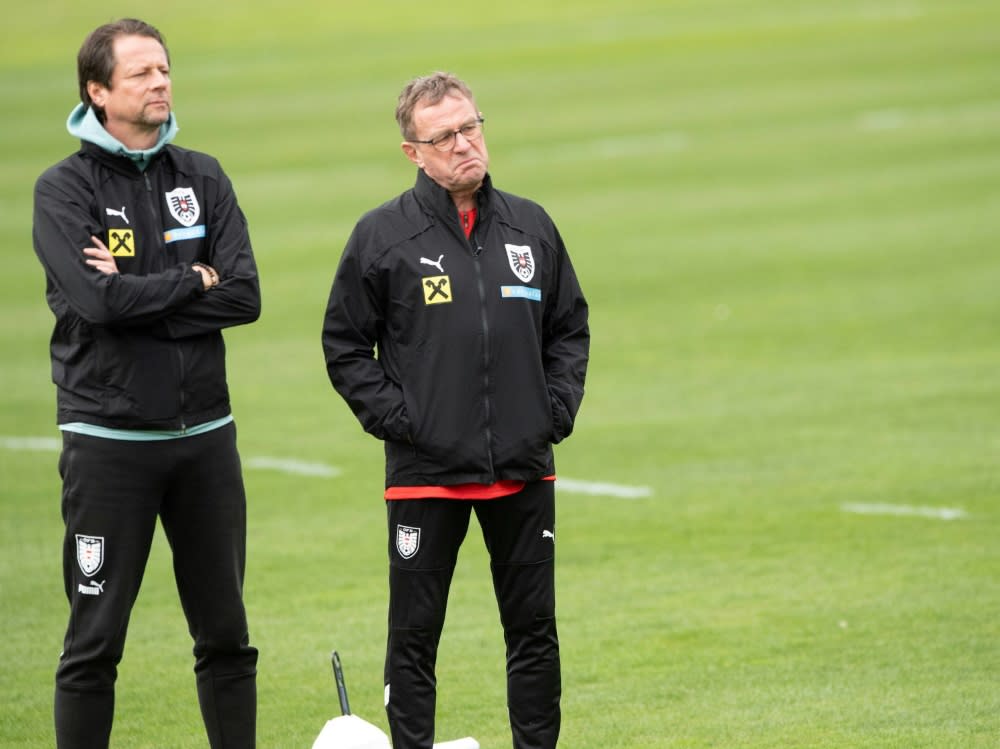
x=451, y=131
x=143, y=65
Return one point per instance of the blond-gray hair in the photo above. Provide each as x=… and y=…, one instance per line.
x=428, y=89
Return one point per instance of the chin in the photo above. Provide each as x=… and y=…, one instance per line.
x=471, y=176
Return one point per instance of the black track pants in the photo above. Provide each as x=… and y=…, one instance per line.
x=113, y=492
x=424, y=539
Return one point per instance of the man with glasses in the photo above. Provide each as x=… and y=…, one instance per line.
x=468, y=296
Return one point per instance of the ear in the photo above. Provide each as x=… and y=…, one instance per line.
x=97, y=93
x=411, y=153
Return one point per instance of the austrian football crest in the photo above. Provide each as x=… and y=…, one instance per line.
x=407, y=540
x=89, y=553
x=521, y=261
x=183, y=205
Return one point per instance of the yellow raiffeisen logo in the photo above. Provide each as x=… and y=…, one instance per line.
x=437, y=289
x=121, y=242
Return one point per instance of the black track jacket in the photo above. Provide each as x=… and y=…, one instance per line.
x=482, y=344
x=142, y=349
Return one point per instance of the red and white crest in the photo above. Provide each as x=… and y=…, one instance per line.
x=407, y=540
x=521, y=261
x=183, y=205
x=89, y=553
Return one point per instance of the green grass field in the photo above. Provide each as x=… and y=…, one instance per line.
x=785, y=217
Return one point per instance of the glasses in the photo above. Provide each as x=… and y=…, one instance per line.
x=446, y=141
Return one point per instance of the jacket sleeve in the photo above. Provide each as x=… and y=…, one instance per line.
x=236, y=299
x=62, y=227
x=351, y=329
x=565, y=344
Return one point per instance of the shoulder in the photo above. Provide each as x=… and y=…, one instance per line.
x=65, y=174
x=402, y=209
x=194, y=163
x=391, y=223
x=523, y=213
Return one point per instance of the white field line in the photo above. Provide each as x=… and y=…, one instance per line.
x=297, y=467
x=936, y=513
x=605, y=490
x=45, y=444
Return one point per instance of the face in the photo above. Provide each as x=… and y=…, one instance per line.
x=461, y=169
x=139, y=98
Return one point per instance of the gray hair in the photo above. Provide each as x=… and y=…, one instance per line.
x=428, y=89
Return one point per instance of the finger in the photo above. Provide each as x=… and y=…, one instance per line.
x=102, y=266
x=98, y=242
x=98, y=252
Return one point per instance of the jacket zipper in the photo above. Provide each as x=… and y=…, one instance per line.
x=481, y=286
x=180, y=353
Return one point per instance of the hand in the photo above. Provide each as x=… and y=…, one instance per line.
x=101, y=257
x=209, y=277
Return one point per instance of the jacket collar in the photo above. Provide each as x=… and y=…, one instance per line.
x=84, y=124
x=121, y=163
x=438, y=200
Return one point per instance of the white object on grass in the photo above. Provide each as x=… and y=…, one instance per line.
x=351, y=732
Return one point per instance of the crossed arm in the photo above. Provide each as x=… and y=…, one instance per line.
x=100, y=257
